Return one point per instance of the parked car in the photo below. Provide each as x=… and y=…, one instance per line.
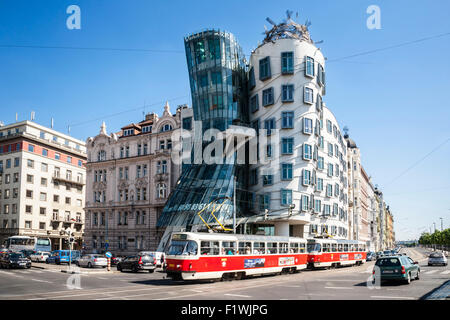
x=379, y=254
x=14, y=260
x=137, y=263
x=159, y=256
x=40, y=256
x=115, y=260
x=62, y=256
x=396, y=268
x=437, y=258
x=370, y=256
x=92, y=260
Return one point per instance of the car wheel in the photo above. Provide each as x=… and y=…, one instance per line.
x=408, y=280
x=135, y=269
x=151, y=271
x=119, y=268
x=417, y=275
x=89, y=265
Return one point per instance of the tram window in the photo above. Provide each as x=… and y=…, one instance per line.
x=228, y=247
x=283, y=247
x=293, y=247
x=314, y=247
x=209, y=247
x=302, y=247
x=334, y=247
x=340, y=249
x=245, y=247
x=259, y=247
x=272, y=247
x=345, y=247
x=326, y=247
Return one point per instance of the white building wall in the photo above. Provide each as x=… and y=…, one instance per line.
x=301, y=110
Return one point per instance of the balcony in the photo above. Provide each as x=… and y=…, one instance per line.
x=78, y=182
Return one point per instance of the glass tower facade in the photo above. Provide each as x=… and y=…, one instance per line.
x=217, y=75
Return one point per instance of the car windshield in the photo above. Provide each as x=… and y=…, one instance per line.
x=436, y=255
x=97, y=256
x=17, y=255
x=146, y=258
x=388, y=262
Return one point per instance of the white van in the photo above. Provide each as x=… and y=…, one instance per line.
x=160, y=257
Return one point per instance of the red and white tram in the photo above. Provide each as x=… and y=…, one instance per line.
x=195, y=256
x=334, y=253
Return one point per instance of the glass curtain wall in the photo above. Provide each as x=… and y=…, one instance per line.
x=217, y=74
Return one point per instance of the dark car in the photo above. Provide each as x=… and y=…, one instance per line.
x=27, y=253
x=137, y=263
x=370, y=256
x=396, y=268
x=11, y=260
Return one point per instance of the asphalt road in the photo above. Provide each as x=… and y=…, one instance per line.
x=348, y=283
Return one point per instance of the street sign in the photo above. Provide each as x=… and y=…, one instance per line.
x=108, y=254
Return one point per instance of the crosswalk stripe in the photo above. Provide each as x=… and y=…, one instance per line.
x=430, y=272
x=445, y=272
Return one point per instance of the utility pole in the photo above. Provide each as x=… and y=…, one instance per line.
x=234, y=204
x=442, y=225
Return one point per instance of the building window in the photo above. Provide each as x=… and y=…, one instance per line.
x=307, y=126
x=287, y=62
x=319, y=186
x=253, y=177
x=251, y=80
x=269, y=125
x=30, y=148
x=216, y=78
x=319, y=103
x=161, y=190
x=69, y=159
x=320, y=75
x=57, y=156
x=286, y=197
x=317, y=206
x=330, y=149
x=286, y=171
x=308, y=95
x=309, y=67
x=306, y=177
x=287, y=93
x=329, y=190
x=187, y=123
x=320, y=163
x=287, y=120
x=329, y=126
x=16, y=162
x=166, y=127
x=264, y=201
x=307, y=152
x=267, y=179
x=254, y=105
x=28, y=224
x=268, y=97
x=305, y=203
x=330, y=170
x=264, y=69
x=287, y=145
x=269, y=151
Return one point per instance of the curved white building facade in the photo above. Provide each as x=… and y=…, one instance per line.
x=299, y=181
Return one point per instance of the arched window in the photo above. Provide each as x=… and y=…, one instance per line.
x=101, y=156
x=166, y=127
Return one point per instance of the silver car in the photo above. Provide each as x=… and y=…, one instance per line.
x=92, y=260
x=437, y=258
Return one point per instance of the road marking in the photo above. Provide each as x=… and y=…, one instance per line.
x=390, y=297
x=11, y=274
x=38, y=280
x=338, y=288
x=237, y=295
x=288, y=286
x=101, y=278
x=445, y=272
x=430, y=272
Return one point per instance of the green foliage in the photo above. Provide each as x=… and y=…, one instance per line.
x=438, y=237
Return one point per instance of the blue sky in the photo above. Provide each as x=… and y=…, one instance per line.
x=395, y=101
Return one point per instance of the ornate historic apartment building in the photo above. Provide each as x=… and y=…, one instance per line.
x=42, y=183
x=129, y=177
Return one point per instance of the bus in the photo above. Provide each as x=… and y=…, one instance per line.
x=19, y=243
